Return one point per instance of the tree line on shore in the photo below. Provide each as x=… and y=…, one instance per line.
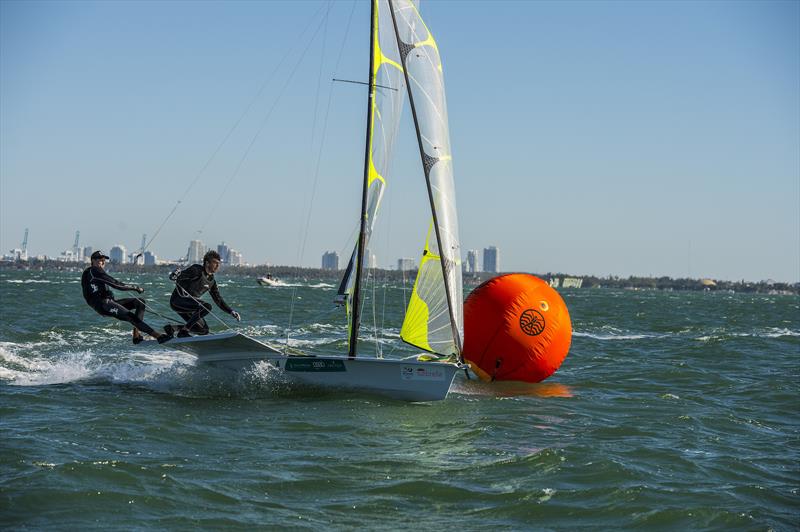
x=589, y=281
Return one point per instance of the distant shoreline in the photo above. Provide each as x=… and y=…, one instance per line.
x=585, y=281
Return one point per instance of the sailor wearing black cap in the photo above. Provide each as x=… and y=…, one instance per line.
x=96, y=284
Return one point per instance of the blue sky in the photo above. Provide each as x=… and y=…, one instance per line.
x=622, y=138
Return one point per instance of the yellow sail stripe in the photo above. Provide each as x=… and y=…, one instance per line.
x=430, y=41
x=380, y=60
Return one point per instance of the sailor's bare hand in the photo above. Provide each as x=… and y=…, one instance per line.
x=236, y=315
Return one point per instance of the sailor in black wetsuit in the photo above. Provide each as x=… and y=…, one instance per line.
x=96, y=284
x=190, y=285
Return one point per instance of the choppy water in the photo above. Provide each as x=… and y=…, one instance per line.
x=672, y=411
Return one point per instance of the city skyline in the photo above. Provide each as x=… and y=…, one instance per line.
x=119, y=253
x=622, y=148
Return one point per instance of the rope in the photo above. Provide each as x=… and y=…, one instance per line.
x=230, y=131
x=261, y=128
x=301, y=251
x=184, y=293
x=153, y=311
x=378, y=349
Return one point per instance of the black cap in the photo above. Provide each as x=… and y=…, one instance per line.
x=97, y=255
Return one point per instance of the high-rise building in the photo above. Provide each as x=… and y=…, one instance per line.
x=149, y=259
x=87, y=252
x=234, y=258
x=118, y=254
x=491, y=259
x=196, y=251
x=405, y=264
x=224, y=253
x=330, y=260
x=472, y=261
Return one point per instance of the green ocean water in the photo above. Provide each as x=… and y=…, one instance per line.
x=672, y=411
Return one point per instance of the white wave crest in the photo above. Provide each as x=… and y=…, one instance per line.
x=621, y=336
x=23, y=365
x=769, y=332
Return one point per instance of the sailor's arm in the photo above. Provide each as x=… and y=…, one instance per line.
x=109, y=281
x=215, y=295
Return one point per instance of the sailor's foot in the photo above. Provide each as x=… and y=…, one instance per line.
x=183, y=333
x=137, y=339
x=164, y=338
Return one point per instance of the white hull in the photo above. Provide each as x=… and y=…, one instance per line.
x=409, y=380
x=264, y=281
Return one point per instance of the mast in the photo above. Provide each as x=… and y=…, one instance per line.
x=362, y=239
x=427, y=164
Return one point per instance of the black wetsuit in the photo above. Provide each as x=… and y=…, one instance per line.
x=96, y=284
x=190, y=285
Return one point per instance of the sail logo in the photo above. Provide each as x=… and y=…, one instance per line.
x=531, y=322
x=412, y=373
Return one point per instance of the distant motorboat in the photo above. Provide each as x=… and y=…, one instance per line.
x=268, y=280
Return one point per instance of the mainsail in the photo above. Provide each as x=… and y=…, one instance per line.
x=434, y=318
x=387, y=105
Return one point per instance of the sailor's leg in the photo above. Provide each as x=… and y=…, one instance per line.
x=115, y=310
x=190, y=309
x=137, y=306
x=200, y=326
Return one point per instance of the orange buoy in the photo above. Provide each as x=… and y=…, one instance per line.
x=516, y=328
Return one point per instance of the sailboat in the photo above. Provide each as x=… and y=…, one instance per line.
x=404, y=60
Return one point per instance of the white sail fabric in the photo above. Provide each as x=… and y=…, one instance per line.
x=387, y=106
x=435, y=317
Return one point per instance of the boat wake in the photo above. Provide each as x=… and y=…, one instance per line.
x=170, y=372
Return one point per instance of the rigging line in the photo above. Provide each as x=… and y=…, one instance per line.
x=230, y=132
x=319, y=76
x=344, y=247
x=378, y=347
x=304, y=240
x=383, y=309
x=405, y=287
x=153, y=311
x=301, y=251
x=260, y=130
x=210, y=312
